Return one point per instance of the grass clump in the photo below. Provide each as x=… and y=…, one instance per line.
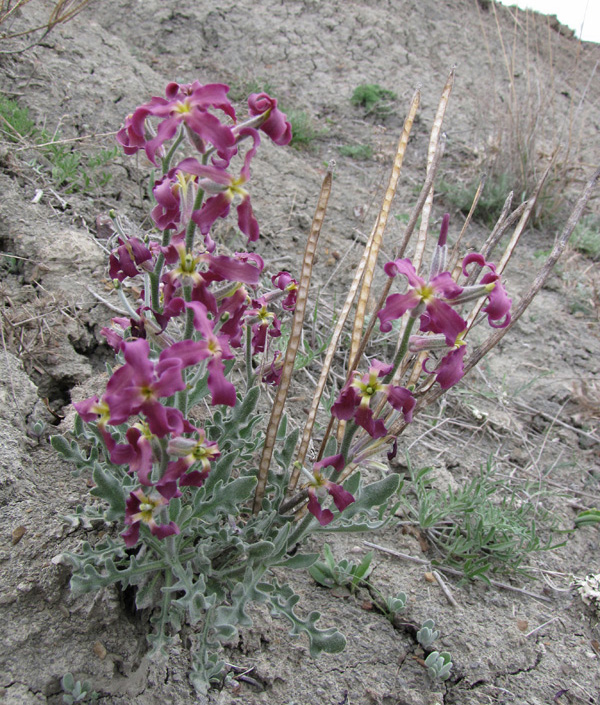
x=481, y=528
x=489, y=206
x=374, y=99
x=586, y=237
x=360, y=152
x=70, y=169
x=303, y=129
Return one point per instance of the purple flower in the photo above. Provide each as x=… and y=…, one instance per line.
x=127, y=257
x=498, y=308
x=263, y=322
x=138, y=385
x=451, y=367
x=214, y=348
x=319, y=487
x=190, y=451
x=429, y=299
x=141, y=509
x=355, y=398
x=275, y=125
x=187, y=104
x=286, y=283
x=227, y=187
x=137, y=452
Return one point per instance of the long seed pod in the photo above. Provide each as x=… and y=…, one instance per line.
x=331, y=350
x=382, y=219
x=294, y=341
x=436, y=131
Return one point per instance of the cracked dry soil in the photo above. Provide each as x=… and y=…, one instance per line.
x=532, y=405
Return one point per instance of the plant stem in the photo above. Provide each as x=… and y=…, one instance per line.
x=166, y=162
x=401, y=352
x=250, y=376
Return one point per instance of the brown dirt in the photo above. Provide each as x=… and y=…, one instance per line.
x=533, y=405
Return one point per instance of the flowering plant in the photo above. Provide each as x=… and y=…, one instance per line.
x=173, y=443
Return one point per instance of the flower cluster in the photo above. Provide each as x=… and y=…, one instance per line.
x=434, y=303
x=214, y=298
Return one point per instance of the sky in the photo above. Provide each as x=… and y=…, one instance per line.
x=569, y=12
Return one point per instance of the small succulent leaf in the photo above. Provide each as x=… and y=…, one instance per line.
x=329, y=559
x=590, y=516
x=322, y=575
x=68, y=682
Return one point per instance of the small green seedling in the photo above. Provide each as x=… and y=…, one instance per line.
x=439, y=665
x=76, y=691
x=396, y=604
x=343, y=574
x=590, y=516
x=427, y=634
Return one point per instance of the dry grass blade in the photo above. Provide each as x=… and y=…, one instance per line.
x=510, y=248
x=453, y=258
x=294, y=341
x=433, y=145
x=63, y=11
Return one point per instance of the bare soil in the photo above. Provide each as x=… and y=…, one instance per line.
x=533, y=405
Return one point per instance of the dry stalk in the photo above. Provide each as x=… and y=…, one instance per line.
x=294, y=341
x=380, y=226
x=63, y=11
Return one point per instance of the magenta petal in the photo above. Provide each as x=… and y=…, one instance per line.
x=247, y=223
x=216, y=207
x=324, y=516
x=498, y=308
x=404, y=266
x=439, y=317
x=214, y=173
x=341, y=498
x=185, y=352
x=335, y=461
x=345, y=404
x=222, y=391
x=161, y=531
x=374, y=427
x=276, y=125
x=193, y=479
x=446, y=286
x=402, y=400
x=396, y=305
x=162, y=420
x=231, y=269
x=451, y=368
x=136, y=355
x=132, y=535
x=478, y=259
x=84, y=409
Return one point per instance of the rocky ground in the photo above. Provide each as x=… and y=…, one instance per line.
x=533, y=405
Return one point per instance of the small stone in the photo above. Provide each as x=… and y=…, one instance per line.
x=429, y=577
x=18, y=534
x=100, y=650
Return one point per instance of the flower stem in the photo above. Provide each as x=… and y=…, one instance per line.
x=401, y=352
x=351, y=429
